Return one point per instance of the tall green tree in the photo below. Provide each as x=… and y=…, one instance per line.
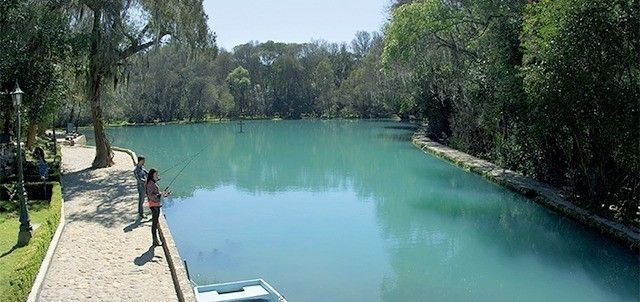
x=35, y=45
x=361, y=44
x=289, y=87
x=118, y=30
x=459, y=60
x=582, y=77
x=426, y=38
x=324, y=86
x=240, y=87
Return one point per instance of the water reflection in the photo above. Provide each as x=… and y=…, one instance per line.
x=481, y=242
x=300, y=156
x=348, y=202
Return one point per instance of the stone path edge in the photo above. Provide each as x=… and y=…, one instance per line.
x=181, y=282
x=539, y=192
x=178, y=271
x=46, y=262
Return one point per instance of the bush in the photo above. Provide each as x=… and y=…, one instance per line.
x=24, y=273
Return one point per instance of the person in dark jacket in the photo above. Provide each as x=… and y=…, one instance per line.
x=141, y=178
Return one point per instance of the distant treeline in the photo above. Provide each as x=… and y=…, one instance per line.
x=317, y=79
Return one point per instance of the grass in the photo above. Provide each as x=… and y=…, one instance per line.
x=9, y=228
x=21, y=265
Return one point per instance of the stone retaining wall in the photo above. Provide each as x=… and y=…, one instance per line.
x=542, y=193
x=181, y=282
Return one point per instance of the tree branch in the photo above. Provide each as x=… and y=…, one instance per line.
x=144, y=31
x=119, y=26
x=135, y=48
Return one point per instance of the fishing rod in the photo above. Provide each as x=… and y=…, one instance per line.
x=185, y=166
x=184, y=160
x=180, y=162
x=190, y=159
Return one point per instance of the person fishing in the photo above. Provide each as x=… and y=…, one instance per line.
x=153, y=196
x=141, y=177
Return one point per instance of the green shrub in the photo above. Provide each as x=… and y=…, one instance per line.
x=24, y=273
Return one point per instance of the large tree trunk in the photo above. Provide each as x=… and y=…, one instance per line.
x=73, y=111
x=104, y=154
x=42, y=129
x=31, y=136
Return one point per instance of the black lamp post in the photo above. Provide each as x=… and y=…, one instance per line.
x=25, y=222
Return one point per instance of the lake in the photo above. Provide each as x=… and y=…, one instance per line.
x=352, y=211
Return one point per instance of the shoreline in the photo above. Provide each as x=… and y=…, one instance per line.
x=541, y=193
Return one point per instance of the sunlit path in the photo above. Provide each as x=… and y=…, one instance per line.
x=104, y=254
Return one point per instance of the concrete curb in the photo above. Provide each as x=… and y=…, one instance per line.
x=181, y=283
x=133, y=155
x=540, y=192
x=46, y=262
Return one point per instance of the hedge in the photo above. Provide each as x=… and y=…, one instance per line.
x=24, y=274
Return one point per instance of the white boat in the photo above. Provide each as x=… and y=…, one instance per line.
x=247, y=290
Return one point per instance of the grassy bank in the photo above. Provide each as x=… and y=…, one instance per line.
x=20, y=266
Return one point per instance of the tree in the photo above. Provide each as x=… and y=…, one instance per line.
x=361, y=44
x=201, y=91
x=425, y=38
x=582, y=78
x=34, y=57
x=342, y=61
x=323, y=84
x=289, y=87
x=240, y=86
x=224, y=102
x=365, y=87
x=462, y=59
x=222, y=66
x=118, y=30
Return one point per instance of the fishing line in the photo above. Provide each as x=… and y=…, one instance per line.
x=177, y=164
x=185, y=159
x=185, y=166
x=190, y=159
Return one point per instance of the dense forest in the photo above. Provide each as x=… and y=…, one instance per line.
x=550, y=88
x=255, y=80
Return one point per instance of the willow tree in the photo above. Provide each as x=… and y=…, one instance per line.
x=119, y=29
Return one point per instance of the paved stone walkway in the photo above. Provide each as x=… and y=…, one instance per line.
x=104, y=253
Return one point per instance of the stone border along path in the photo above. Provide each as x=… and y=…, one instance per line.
x=104, y=253
x=540, y=192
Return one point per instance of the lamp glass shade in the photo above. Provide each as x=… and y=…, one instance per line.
x=16, y=95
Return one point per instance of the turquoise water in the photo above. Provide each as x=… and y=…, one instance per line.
x=352, y=211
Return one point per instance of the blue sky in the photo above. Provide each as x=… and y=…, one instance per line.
x=240, y=21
